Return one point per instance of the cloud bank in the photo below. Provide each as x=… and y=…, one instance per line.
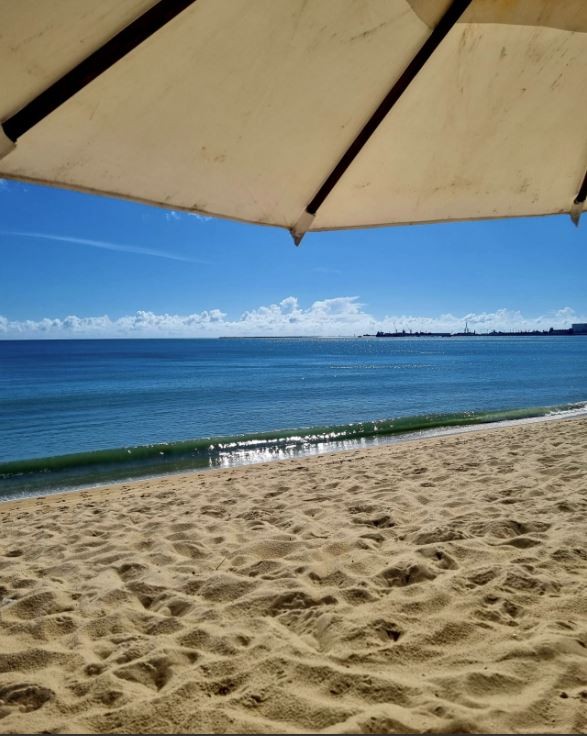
x=341, y=316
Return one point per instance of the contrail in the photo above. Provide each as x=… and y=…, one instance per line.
x=103, y=244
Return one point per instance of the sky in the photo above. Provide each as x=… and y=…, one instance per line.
x=78, y=265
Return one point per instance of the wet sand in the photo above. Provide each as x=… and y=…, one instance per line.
x=437, y=585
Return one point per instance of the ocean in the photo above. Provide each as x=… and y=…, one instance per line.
x=79, y=412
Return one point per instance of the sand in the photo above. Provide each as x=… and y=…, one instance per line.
x=438, y=585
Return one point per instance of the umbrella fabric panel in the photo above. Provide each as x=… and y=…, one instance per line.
x=43, y=40
x=236, y=107
x=242, y=108
x=495, y=127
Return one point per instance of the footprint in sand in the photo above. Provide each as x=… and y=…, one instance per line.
x=380, y=521
x=401, y=576
x=439, y=557
x=25, y=697
x=154, y=673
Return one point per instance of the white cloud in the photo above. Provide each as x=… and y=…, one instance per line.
x=501, y=320
x=106, y=245
x=176, y=215
x=340, y=316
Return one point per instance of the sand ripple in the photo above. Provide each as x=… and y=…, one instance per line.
x=433, y=586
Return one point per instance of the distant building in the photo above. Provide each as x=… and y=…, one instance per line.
x=579, y=328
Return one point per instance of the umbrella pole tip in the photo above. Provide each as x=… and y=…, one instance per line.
x=575, y=212
x=302, y=226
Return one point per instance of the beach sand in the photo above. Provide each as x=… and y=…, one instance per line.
x=437, y=585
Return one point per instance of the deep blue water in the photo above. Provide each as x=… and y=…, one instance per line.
x=61, y=397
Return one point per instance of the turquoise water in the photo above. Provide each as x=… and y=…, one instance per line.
x=77, y=412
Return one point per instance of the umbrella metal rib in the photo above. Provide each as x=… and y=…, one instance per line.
x=93, y=66
x=582, y=194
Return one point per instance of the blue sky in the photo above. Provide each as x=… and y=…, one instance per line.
x=118, y=268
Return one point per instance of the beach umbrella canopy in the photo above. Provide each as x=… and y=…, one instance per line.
x=305, y=114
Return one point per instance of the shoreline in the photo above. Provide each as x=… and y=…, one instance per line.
x=419, y=441
x=429, y=586
x=246, y=456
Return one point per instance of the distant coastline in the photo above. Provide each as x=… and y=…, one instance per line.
x=579, y=329
x=553, y=332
